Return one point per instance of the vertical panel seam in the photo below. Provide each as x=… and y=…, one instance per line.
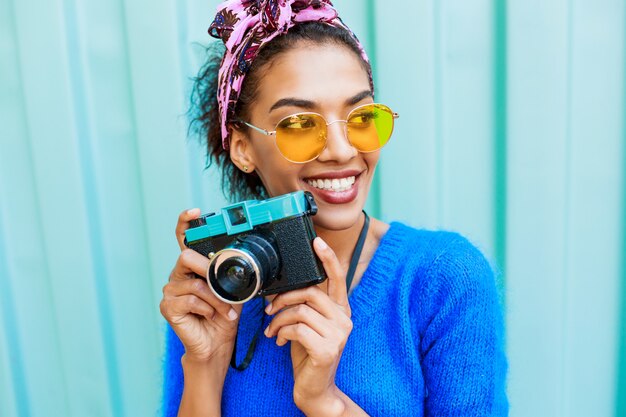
x=183, y=57
x=566, y=291
x=133, y=116
x=24, y=409
x=500, y=133
x=14, y=348
x=375, y=200
x=620, y=400
x=84, y=140
x=7, y=308
x=439, y=171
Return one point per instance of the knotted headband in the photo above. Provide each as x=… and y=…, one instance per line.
x=245, y=26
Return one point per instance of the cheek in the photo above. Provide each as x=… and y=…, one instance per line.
x=279, y=176
x=371, y=160
x=282, y=183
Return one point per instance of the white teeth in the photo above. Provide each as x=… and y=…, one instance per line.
x=335, y=184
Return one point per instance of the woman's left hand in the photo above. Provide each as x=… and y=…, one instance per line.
x=318, y=325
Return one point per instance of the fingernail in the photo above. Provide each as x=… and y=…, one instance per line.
x=192, y=211
x=268, y=308
x=266, y=331
x=232, y=314
x=320, y=242
x=280, y=341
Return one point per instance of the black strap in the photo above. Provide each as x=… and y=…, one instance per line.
x=246, y=361
x=354, y=261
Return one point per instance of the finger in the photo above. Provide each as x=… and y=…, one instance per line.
x=311, y=296
x=300, y=333
x=299, y=314
x=189, y=264
x=200, y=289
x=336, y=275
x=183, y=224
x=174, y=308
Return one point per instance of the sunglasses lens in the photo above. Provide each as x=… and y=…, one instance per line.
x=370, y=127
x=301, y=137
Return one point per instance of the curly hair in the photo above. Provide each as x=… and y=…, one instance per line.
x=204, y=112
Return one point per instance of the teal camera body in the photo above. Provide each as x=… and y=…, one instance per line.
x=258, y=247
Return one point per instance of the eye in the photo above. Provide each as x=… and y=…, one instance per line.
x=362, y=118
x=298, y=122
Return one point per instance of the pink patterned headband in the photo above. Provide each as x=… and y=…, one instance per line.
x=245, y=26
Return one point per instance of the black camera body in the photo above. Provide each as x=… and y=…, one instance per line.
x=259, y=247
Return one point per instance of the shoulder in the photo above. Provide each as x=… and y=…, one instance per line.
x=433, y=251
x=448, y=280
x=437, y=264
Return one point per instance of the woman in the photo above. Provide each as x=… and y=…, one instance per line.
x=418, y=331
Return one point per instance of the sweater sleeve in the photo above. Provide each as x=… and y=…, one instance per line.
x=461, y=335
x=172, y=374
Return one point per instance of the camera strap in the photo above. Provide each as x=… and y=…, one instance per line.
x=356, y=255
x=246, y=361
x=354, y=261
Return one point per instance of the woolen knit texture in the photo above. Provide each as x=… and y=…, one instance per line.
x=427, y=339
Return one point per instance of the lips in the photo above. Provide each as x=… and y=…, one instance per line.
x=339, y=187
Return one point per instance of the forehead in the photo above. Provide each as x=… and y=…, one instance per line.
x=324, y=74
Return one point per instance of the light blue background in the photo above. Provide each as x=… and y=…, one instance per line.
x=511, y=131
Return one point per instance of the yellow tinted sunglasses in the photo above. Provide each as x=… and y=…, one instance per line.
x=301, y=137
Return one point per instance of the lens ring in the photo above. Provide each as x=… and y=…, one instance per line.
x=215, y=264
x=298, y=141
x=378, y=107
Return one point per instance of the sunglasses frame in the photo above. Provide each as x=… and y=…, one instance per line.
x=394, y=116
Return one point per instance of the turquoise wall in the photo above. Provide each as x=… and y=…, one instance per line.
x=511, y=132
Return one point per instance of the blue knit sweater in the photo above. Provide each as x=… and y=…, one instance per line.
x=427, y=339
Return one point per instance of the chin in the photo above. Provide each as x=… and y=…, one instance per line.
x=331, y=217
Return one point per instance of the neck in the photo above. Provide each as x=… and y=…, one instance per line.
x=342, y=241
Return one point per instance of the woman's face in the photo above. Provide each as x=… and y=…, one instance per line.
x=325, y=79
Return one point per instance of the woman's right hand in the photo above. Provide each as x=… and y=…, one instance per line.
x=204, y=324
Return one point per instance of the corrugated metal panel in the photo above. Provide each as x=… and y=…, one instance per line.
x=511, y=132
x=565, y=168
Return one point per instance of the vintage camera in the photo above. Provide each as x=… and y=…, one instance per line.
x=259, y=247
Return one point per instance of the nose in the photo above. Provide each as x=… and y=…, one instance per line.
x=338, y=147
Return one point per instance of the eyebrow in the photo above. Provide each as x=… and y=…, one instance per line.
x=308, y=104
x=292, y=102
x=358, y=97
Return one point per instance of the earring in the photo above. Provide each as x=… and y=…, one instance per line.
x=245, y=168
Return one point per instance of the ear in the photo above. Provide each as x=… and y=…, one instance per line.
x=241, y=152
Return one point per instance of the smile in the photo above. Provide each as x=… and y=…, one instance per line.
x=334, y=184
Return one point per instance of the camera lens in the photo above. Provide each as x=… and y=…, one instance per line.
x=240, y=270
x=236, y=274
x=236, y=277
